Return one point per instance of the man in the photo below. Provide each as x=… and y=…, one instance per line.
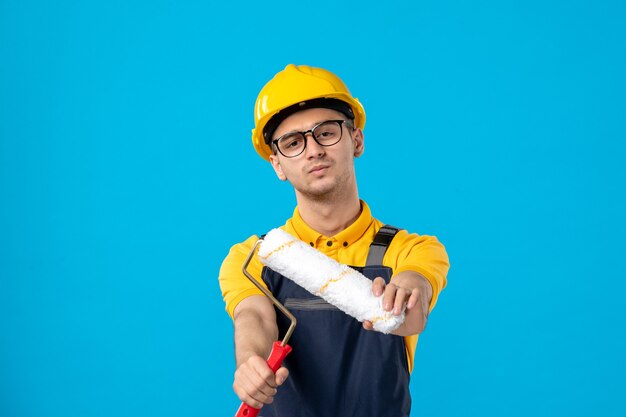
x=310, y=128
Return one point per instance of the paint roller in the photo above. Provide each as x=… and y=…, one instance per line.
x=338, y=284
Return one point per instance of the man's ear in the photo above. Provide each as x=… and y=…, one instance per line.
x=277, y=168
x=359, y=146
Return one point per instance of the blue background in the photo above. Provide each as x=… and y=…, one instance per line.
x=127, y=171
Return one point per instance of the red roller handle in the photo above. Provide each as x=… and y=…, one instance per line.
x=278, y=354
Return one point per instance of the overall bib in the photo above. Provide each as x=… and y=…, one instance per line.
x=332, y=354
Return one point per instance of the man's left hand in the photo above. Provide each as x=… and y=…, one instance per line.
x=408, y=290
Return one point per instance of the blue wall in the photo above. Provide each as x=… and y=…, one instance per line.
x=126, y=172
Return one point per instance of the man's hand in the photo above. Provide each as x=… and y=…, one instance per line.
x=255, y=383
x=407, y=290
x=255, y=332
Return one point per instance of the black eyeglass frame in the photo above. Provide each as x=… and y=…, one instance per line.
x=341, y=123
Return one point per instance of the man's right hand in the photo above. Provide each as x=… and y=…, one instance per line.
x=255, y=383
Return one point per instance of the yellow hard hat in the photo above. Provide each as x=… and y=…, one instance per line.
x=297, y=85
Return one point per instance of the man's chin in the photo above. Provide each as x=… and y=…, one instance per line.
x=318, y=191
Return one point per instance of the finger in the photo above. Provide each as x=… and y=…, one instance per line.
x=259, y=366
x=264, y=381
x=257, y=379
x=389, y=297
x=399, y=300
x=367, y=325
x=259, y=391
x=248, y=392
x=281, y=375
x=378, y=286
x=413, y=298
x=245, y=398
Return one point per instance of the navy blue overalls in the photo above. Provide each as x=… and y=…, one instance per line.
x=332, y=354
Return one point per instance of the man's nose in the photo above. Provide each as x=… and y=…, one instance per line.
x=313, y=149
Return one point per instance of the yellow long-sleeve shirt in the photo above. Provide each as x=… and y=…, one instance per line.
x=408, y=251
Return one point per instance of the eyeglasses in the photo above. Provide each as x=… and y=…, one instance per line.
x=326, y=133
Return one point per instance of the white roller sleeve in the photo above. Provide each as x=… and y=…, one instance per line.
x=338, y=284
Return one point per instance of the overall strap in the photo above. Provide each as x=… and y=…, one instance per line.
x=380, y=244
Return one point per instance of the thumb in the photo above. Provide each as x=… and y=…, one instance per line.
x=281, y=375
x=378, y=286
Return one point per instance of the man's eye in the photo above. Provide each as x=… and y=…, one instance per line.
x=326, y=134
x=291, y=142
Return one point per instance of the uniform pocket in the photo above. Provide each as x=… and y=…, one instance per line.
x=309, y=304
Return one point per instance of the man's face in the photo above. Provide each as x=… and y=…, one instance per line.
x=319, y=170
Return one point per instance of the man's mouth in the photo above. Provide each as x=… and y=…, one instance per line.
x=318, y=169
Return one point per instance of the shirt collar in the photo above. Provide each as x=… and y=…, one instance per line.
x=346, y=237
